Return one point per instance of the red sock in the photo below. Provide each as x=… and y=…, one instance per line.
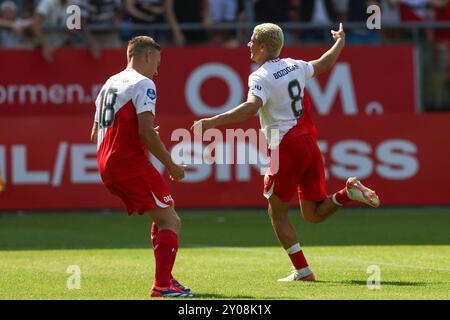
x=154, y=236
x=341, y=196
x=295, y=253
x=165, y=253
x=298, y=260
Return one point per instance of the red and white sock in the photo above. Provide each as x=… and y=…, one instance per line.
x=341, y=198
x=297, y=257
x=165, y=251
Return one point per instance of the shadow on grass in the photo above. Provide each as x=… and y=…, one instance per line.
x=364, y=283
x=220, y=296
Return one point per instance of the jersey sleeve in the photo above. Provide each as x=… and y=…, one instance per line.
x=256, y=87
x=307, y=69
x=144, y=98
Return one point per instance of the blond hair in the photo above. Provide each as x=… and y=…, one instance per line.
x=272, y=36
x=138, y=45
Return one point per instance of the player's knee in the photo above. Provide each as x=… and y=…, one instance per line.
x=312, y=217
x=174, y=221
x=315, y=220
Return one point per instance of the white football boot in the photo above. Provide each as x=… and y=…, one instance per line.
x=304, y=274
x=358, y=192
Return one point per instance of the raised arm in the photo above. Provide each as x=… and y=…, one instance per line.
x=154, y=144
x=329, y=58
x=239, y=114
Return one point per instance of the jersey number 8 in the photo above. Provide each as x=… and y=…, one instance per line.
x=107, y=107
x=295, y=93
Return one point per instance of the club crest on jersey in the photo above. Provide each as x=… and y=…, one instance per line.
x=151, y=93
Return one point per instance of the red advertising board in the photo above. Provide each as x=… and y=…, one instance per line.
x=49, y=163
x=204, y=81
x=366, y=128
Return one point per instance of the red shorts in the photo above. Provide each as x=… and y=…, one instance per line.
x=300, y=169
x=143, y=193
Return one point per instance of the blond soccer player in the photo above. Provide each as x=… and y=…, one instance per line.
x=276, y=91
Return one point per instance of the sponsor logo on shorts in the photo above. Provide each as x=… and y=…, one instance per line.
x=168, y=198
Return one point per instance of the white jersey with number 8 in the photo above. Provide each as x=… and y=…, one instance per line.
x=280, y=85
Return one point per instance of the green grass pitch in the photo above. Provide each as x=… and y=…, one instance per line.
x=228, y=254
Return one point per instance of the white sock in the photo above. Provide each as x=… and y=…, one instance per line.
x=294, y=249
x=304, y=272
x=333, y=197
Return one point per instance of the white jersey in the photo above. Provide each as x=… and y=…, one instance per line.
x=126, y=88
x=121, y=153
x=280, y=85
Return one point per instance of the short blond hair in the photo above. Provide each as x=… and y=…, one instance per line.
x=272, y=36
x=138, y=45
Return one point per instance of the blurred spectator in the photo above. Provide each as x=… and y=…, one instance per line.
x=275, y=11
x=241, y=37
x=416, y=11
x=413, y=10
x=357, y=12
x=390, y=14
x=143, y=12
x=105, y=13
x=441, y=13
x=320, y=12
x=341, y=9
x=12, y=36
x=441, y=56
x=50, y=14
x=187, y=11
x=25, y=8
x=223, y=11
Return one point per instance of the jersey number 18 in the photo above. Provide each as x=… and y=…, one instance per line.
x=107, y=107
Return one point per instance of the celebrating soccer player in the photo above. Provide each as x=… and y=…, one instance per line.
x=124, y=133
x=276, y=90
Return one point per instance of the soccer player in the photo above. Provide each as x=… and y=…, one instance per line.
x=124, y=133
x=276, y=90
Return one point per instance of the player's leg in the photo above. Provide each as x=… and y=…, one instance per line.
x=165, y=229
x=135, y=195
x=165, y=251
x=173, y=280
x=318, y=211
x=285, y=232
x=280, y=185
x=315, y=205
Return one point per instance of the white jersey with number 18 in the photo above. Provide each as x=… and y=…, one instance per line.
x=280, y=85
